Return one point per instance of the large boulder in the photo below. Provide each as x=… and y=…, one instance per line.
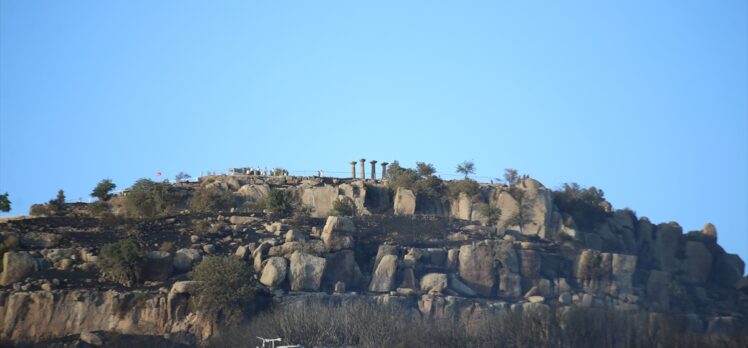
x=342, y=267
x=453, y=259
x=405, y=202
x=384, y=250
x=667, y=241
x=645, y=231
x=456, y=285
x=434, y=281
x=243, y=220
x=476, y=268
x=462, y=208
x=92, y=338
x=658, y=289
x=305, y=273
x=709, y=231
x=184, y=259
x=510, y=284
x=158, y=265
x=253, y=193
x=383, y=279
x=728, y=269
x=337, y=233
x=320, y=199
x=540, y=203
x=698, y=262
x=623, y=267
x=507, y=256
x=530, y=263
x=17, y=265
x=274, y=272
x=508, y=206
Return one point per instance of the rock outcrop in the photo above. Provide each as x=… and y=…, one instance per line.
x=305, y=272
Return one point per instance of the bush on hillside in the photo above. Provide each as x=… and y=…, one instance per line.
x=211, y=199
x=425, y=169
x=467, y=186
x=149, y=199
x=40, y=210
x=422, y=185
x=343, y=207
x=225, y=290
x=585, y=205
x=98, y=209
x=278, y=201
x=122, y=261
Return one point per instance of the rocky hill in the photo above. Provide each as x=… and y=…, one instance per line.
x=489, y=249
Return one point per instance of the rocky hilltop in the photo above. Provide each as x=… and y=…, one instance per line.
x=493, y=248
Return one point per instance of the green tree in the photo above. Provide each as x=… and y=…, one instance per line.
x=224, y=291
x=57, y=205
x=122, y=261
x=425, y=169
x=149, y=199
x=4, y=202
x=279, y=201
x=343, y=207
x=492, y=213
x=466, y=168
x=103, y=190
x=422, y=181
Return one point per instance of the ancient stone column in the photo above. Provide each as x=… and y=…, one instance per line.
x=384, y=170
x=353, y=169
x=363, y=168
x=373, y=169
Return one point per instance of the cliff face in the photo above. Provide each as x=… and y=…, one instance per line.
x=438, y=258
x=41, y=315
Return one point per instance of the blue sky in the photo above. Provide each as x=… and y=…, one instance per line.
x=647, y=100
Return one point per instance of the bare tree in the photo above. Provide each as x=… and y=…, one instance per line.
x=182, y=176
x=466, y=168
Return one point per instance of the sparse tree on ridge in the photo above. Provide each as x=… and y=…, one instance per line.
x=511, y=176
x=103, y=190
x=182, y=176
x=4, y=202
x=466, y=168
x=58, y=204
x=425, y=169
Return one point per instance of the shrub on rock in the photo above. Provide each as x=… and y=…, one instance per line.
x=343, y=207
x=279, y=201
x=122, y=261
x=224, y=291
x=150, y=199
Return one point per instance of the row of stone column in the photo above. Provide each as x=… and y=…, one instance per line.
x=363, y=169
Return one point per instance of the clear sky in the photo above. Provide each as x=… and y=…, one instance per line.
x=647, y=100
